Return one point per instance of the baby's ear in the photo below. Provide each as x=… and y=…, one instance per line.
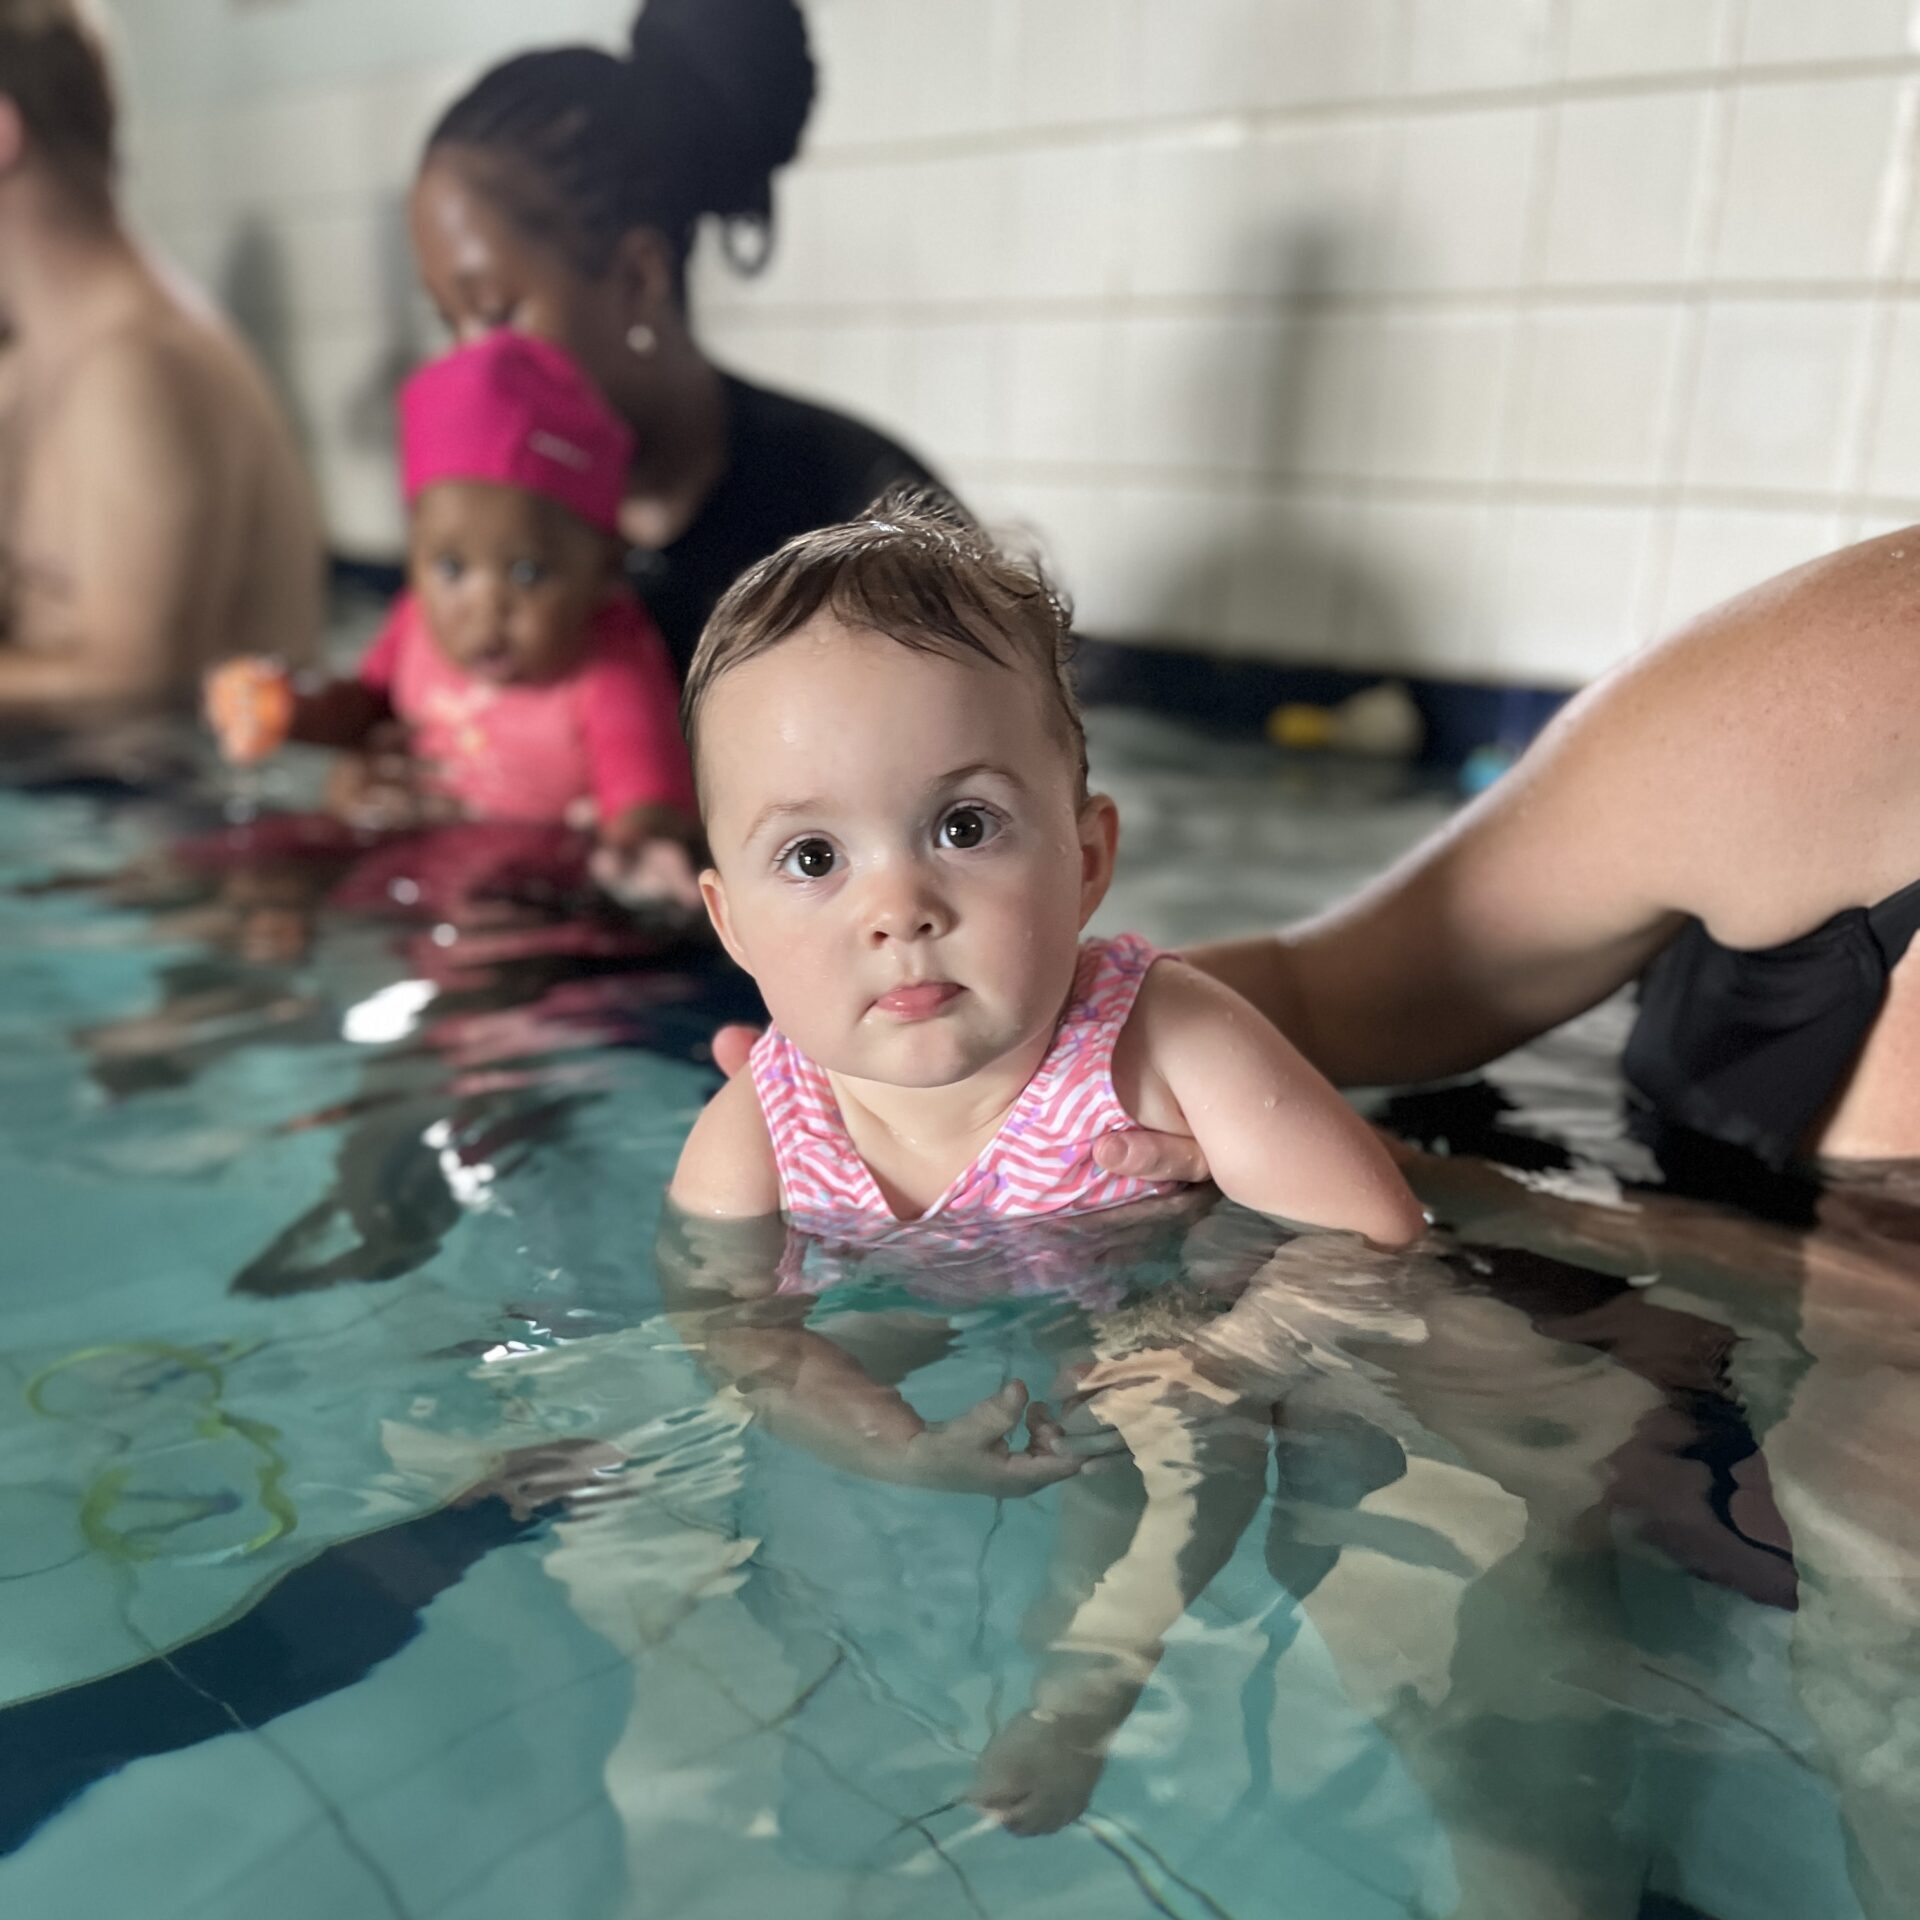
x=713, y=891
x=1099, y=843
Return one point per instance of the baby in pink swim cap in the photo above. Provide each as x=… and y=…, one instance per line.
x=532, y=685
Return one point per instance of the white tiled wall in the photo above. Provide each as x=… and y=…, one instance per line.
x=1477, y=337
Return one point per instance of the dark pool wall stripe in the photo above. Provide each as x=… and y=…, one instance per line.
x=1236, y=696
x=326, y=1625
x=1228, y=694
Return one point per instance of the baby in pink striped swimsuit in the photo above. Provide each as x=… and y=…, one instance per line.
x=893, y=779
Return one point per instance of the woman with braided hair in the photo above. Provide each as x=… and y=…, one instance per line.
x=562, y=195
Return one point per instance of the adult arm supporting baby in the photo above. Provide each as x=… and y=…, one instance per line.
x=1274, y=1133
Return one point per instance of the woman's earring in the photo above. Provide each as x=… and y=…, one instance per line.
x=641, y=338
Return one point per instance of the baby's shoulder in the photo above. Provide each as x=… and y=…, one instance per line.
x=727, y=1168
x=1172, y=996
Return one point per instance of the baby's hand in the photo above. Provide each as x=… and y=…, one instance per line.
x=249, y=704
x=970, y=1454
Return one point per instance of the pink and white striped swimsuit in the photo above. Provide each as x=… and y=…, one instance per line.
x=1041, y=1160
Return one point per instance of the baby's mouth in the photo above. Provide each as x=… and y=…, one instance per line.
x=493, y=661
x=918, y=1000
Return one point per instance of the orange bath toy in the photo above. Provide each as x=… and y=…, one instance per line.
x=250, y=707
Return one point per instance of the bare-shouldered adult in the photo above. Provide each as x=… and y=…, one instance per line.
x=1747, y=791
x=154, y=513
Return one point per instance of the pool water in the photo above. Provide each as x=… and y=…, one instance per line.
x=374, y=1540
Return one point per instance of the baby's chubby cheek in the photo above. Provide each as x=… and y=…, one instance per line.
x=803, y=977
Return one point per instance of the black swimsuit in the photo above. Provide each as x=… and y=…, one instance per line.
x=1752, y=1047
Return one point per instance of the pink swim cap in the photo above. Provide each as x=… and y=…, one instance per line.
x=516, y=411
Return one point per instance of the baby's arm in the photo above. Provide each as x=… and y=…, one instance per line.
x=256, y=706
x=720, y=1245
x=727, y=1169
x=1195, y=1058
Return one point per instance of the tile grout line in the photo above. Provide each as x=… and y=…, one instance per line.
x=1344, y=610
x=1516, y=396
x=1172, y=124
x=1860, y=426
x=1679, y=405
x=1350, y=487
x=326, y=1811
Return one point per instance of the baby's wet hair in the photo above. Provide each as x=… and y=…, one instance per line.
x=708, y=104
x=53, y=67
x=915, y=570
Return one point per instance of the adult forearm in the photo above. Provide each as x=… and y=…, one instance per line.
x=1364, y=1018
x=1261, y=969
x=1356, y=1037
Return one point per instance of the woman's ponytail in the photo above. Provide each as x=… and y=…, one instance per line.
x=707, y=107
x=750, y=61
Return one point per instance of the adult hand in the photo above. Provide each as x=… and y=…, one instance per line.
x=654, y=872
x=1151, y=1156
x=731, y=1045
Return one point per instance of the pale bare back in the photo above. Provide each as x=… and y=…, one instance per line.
x=154, y=514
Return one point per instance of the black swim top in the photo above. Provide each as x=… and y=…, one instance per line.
x=792, y=466
x=1750, y=1047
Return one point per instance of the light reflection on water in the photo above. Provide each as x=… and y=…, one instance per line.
x=362, y=1483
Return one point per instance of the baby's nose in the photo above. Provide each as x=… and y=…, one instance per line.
x=905, y=907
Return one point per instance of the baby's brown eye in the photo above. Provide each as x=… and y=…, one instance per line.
x=964, y=828
x=812, y=859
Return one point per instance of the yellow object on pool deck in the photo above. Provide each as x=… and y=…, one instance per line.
x=1378, y=720
x=1298, y=725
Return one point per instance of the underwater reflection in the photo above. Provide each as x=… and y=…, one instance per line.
x=515, y=972
x=1821, y=1342
x=1466, y=1461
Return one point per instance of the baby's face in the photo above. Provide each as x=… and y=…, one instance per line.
x=508, y=580
x=901, y=861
